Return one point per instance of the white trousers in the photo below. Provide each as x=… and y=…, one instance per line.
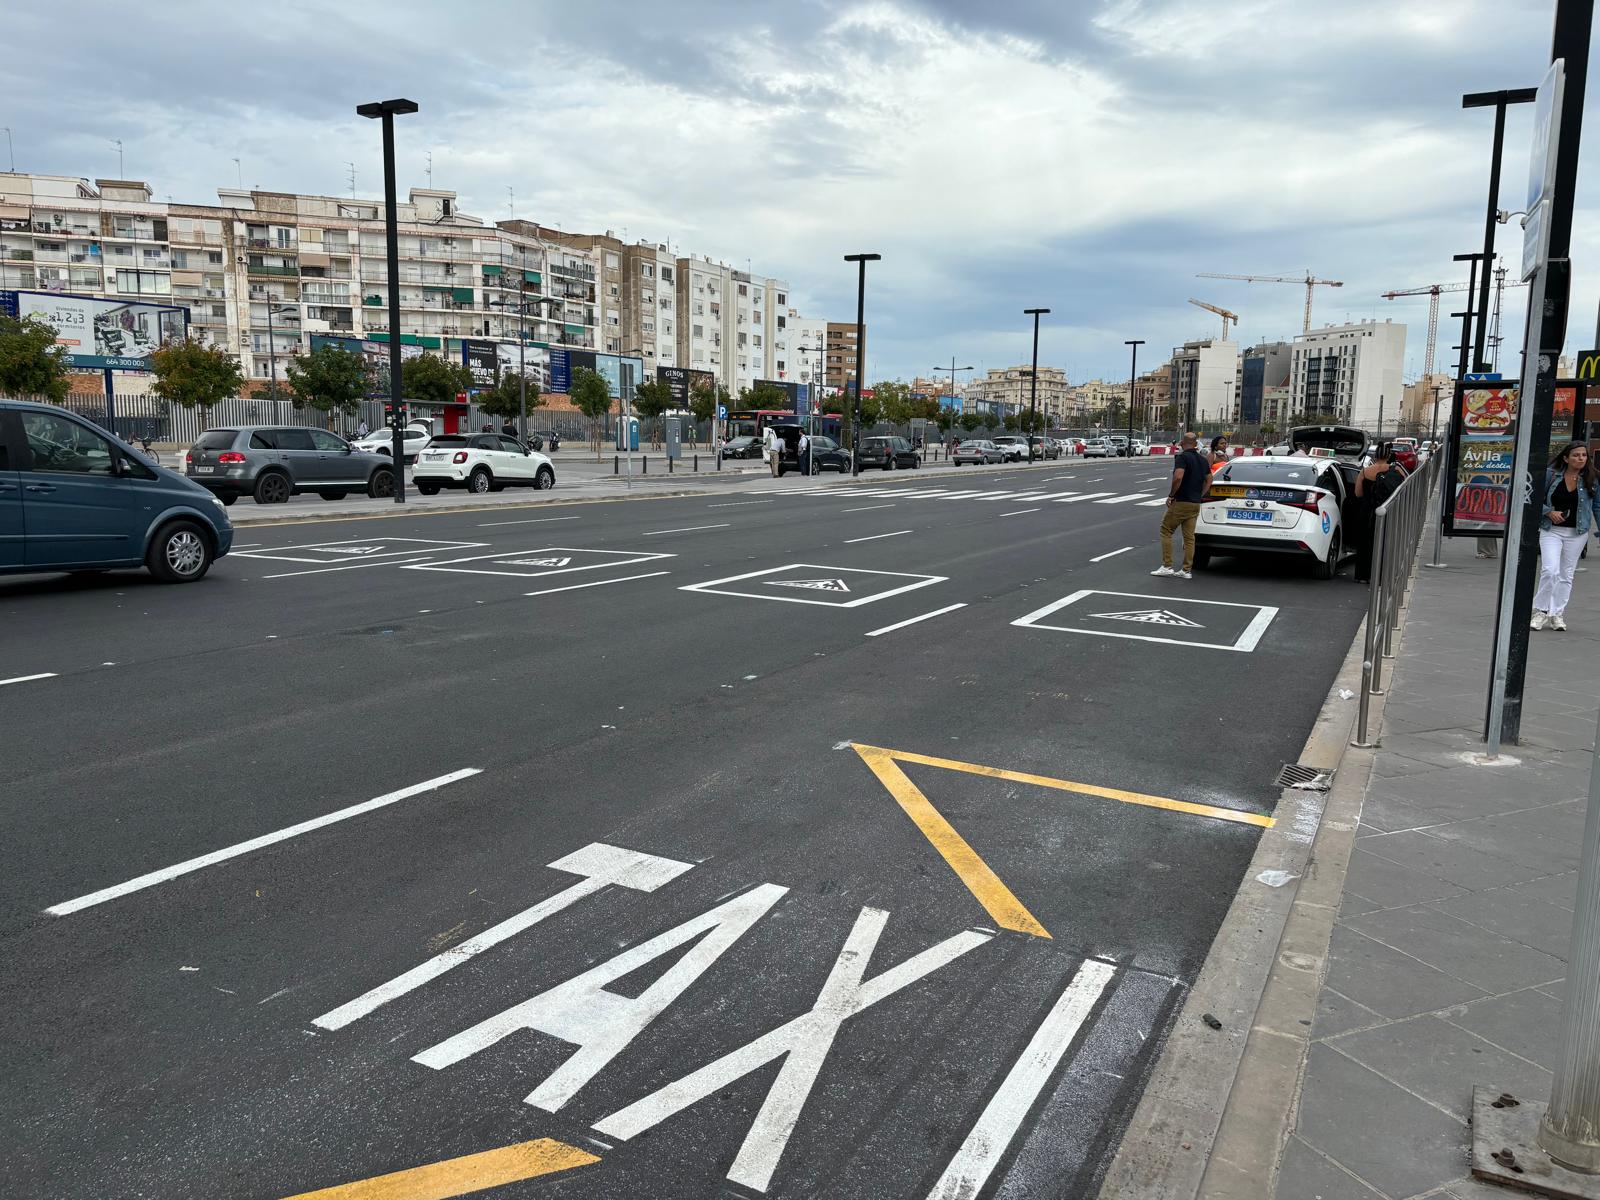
x=1558, y=558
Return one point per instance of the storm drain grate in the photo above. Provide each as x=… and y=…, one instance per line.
x=1310, y=779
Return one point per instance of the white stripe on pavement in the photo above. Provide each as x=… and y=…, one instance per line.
x=1113, y=554
x=529, y=521
x=29, y=678
x=938, y=612
x=267, y=839
x=991, y=1137
x=1085, y=496
x=737, y=503
x=388, y=562
x=685, y=529
x=1019, y=512
x=875, y=537
x=1156, y=503
x=1125, y=499
x=1053, y=496
x=867, y=508
x=572, y=587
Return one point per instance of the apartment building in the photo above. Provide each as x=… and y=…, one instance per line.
x=808, y=342
x=1152, y=395
x=1427, y=401
x=1205, y=381
x=1007, y=390
x=842, y=362
x=733, y=324
x=1350, y=373
x=1093, y=399
x=1264, y=384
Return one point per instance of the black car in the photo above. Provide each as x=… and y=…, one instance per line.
x=888, y=453
x=742, y=447
x=826, y=455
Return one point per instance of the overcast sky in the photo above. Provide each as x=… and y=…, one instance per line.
x=1089, y=156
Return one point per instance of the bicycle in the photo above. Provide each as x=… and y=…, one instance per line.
x=144, y=444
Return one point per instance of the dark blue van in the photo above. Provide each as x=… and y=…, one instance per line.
x=74, y=498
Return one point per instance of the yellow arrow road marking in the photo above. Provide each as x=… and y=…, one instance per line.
x=462, y=1176
x=997, y=899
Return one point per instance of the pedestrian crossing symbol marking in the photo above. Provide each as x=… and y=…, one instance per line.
x=1151, y=616
x=538, y=562
x=811, y=585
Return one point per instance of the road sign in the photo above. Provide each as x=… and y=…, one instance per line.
x=722, y=412
x=1542, y=169
x=1589, y=364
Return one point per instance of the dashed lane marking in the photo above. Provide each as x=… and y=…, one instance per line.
x=1018, y=512
x=29, y=678
x=875, y=537
x=463, y=1176
x=574, y=587
x=528, y=521
x=868, y=508
x=1125, y=499
x=938, y=612
x=1110, y=554
x=685, y=529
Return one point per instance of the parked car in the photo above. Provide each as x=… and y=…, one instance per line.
x=74, y=498
x=979, y=451
x=1296, y=505
x=480, y=462
x=1119, y=445
x=1141, y=448
x=1340, y=441
x=1098, y=448
x=888, y=453
x=1013, y=447
x=828, y=455
x=381, y=441
x=742, y=447
x=544, y=439
x=274, y=462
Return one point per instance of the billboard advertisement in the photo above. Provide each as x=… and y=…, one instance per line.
x=376, y=355
x=532, y=359
x=683, y=381
x=1485, y=429
x=483, y=361
x=100, y=334
x=563, y=362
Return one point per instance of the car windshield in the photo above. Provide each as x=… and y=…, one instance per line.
x=1270, y=471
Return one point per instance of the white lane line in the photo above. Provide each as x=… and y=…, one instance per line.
x=972, y=495
x=685, y=529
x=991, y=1137
x=938, y=612
x=388, y=562
x=1127, y=498
x=1013, y=496
x=739, y=503
x=572, y=587
x=29, y=678
x=1043, y=496
x=1113, y=554
x=266, y=839
x=529, y=521
x=1019, y=512
x=247, y=545
x=1085, y=496
x=868, y=508
x=875, y=537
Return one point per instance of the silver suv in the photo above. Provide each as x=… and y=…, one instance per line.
x=273, y=462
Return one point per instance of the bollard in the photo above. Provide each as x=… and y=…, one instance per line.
x=669, y=466
x=645, y=470
x=616, y=463
x=719, y=460
x=697, y=464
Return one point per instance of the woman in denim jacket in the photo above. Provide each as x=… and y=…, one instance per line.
x=1571, y=508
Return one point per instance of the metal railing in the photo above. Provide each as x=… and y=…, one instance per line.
x=1396, y=534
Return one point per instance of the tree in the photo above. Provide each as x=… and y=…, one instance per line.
x=1267, y=430
x=504, y=399
x=895, y=402
x=945, y=418
x=329, y=379
x=834, y=404
x=195, y=376
x=763, y=395
x=1031, y=422
x=971, y=420
x=651, y=399
x=871, y=409
x=429, y=379
x=703, y=402
x=31, y=363
x=1011, y=421
x=592, y=398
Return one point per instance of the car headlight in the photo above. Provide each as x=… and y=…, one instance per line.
x=218, y=503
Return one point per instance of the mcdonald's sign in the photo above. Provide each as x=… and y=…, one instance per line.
x=1589, y=364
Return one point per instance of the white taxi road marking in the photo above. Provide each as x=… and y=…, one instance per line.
x=29, y=678
x=152, y=878
x=1018, y=512
x=529, y=521
x=686, y=529
x=938, y=612
x=599, y=865
x=573, y=587
x=991, y=1136
x=1112, y=554
x=875, y=537
x=868, y=508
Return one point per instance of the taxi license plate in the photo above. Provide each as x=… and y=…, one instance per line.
x=1248, y=514
x=204, y=470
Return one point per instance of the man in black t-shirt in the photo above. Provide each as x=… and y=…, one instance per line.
x=1191, y=480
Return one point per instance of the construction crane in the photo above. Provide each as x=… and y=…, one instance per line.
x=1433, y=292
x=1310, y=281
x=1221, y=312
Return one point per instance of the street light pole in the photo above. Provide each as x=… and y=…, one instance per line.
x=1033, y=394
x=1497, y=101
x=1133, y=375
x=861, y=260
x=386, y=110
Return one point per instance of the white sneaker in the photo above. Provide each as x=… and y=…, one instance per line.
x=1182, y=575
x=1540, y=619
x=1159, y=571
x=1558, y=622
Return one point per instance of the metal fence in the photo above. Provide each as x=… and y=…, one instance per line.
x=1396, y=534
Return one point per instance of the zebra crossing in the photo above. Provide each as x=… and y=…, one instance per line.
x=1039, y=496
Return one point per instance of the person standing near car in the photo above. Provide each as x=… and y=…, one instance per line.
x=362, y=430
x=1219, y=451
x=1571, y=509
x=1378, y=480
x=804, y=453
x=771, y=447
x=1191, y=480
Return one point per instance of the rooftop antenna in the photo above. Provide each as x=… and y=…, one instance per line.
x=117, y=142
x=239, y=171
x=430, y=168
x=511, y=201
x=11, y=150
x=352, y=167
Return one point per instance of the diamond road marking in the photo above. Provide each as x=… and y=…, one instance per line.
x=1151, y=616
x=537, y=562
x=814, y=585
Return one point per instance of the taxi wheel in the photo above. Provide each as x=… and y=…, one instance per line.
x=1327, y=570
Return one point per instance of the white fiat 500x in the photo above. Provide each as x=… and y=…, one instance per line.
x=1295, y=505
x=480, y=462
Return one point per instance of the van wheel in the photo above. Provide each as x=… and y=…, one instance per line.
x=179, y=553
x=227, y=499
x=479, y=481
x=334, y=495
x=544, y=479
x=273, y=488
x=381, y=484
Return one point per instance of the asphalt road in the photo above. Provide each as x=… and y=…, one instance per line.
x=760, y=884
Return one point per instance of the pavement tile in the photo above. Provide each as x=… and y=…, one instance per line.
x=1306, y=1175
x=1441, y=1062
x=1384, y=812
x=1386, y=884
x=1465, y=791
x=1475, y=1189
x=1383, y=979
x=1512, y=913
x=1385, y=1135
x=1525, y=1023
x=1394, y=766
x=1560, y=890
x=1337, y=1014
x=1487, y=960
x=1515, y=837
x=1450, y=859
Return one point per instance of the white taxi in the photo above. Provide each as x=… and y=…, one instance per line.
x=480, y=462
x=1296, y=505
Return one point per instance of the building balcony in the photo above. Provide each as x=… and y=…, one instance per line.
x=585, y=272
x=268, y=269
x=9, y=255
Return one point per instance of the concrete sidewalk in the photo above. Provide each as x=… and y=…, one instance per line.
x=1448, y=945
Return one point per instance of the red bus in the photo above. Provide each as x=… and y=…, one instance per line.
x=749, y=422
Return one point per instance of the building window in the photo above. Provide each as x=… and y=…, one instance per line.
x=699, y=332
x=648, y=271
x=612, y=262
x=666, y=274
x=782, y=298
x=744, y=290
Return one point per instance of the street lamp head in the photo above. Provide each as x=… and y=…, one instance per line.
x=1134, y=342
x=862, y=257
x=1034, y=312
x=386, y=108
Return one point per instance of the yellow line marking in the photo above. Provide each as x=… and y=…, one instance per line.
x=996, y=898
x=462, y=1176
